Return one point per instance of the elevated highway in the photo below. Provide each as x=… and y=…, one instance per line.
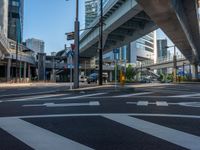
x=124, y=22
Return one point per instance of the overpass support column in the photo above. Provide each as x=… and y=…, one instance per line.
x=29, y=72
x=8, y=69
x=194, y=69
x=24, y=76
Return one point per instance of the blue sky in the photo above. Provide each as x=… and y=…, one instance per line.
x=49, y=20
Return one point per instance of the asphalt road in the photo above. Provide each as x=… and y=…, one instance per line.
x=147, y=117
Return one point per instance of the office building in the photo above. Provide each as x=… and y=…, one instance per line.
x=162, y=48
x=36, y=45
x=15, y=20
x=90, y=11
x=4, y=17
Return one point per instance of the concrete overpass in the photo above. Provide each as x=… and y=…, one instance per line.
x=180, y=21
x=128, y=20
x=8, y=56
x=166, y=64
x=124, y=22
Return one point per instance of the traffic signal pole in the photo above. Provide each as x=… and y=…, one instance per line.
x=101, y=43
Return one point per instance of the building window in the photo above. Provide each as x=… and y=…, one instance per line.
x=14, y=3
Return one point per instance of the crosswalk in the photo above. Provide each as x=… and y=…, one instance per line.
x=40, y=138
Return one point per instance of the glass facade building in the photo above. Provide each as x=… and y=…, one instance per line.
x=90, y=11
x=15, y=19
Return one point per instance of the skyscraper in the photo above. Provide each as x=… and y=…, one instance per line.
x=161, y=47
x=15, y=19
x=4, y=17
x=90, y=11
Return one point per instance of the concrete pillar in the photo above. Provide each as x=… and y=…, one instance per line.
x=29, y=72
x=110, y=76
x=41, y=66
x=8, y=69
x=194, y=69
x=24, y=76
x=20, y=71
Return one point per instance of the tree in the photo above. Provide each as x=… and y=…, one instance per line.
x=130, y=72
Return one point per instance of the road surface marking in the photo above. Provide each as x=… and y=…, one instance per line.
x=136, y=94
x=92, y=103
x=82, y=96
x=188, y=95
x=190, y=104
x=180, y=138
x=38, y=138
x=161, y=103
x=36, y=97
x=142, y=103
x=25, y=94
x=164, y=103
x=100, y=114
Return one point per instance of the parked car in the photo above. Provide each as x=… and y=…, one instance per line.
x=92, y=78
x=82, y=78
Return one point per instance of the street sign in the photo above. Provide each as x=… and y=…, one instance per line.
x=70, y=36
x=70, y=53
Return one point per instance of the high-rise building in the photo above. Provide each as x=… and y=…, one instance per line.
x=90, y=11
x=162, y=48
x=4, y=17
x=36, y=45
x=15, y=19
x=143, y=49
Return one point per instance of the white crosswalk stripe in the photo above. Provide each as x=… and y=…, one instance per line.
x=180, y=138
x=38, y=138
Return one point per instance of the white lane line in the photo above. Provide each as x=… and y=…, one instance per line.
x=82, y=96
x=180, y=138
x=91, y=103
x=25, y=94
x=136, y=94
x=161, y=103
x=100, y=114
x=142, y=103
x=38, y=138
x=188, y=95
x=36, y=97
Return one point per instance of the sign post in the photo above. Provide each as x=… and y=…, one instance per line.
x=115, y=51
x=70, y=56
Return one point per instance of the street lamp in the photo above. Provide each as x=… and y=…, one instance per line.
x=174, y=62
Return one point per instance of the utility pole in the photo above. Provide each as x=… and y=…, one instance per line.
x=101, y=43
x=17, y=50
x=76, y=41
